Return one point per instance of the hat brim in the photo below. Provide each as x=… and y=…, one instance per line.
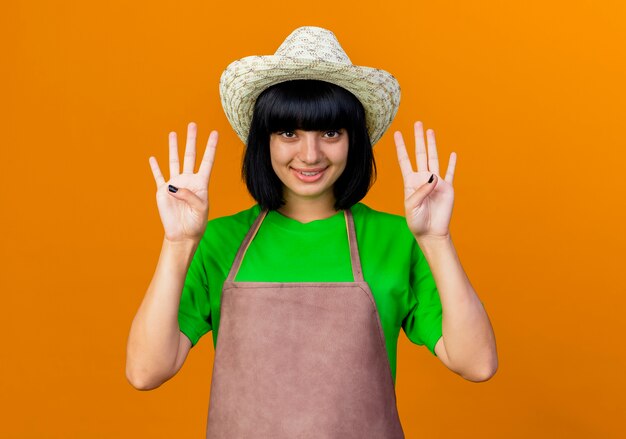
x=245, y=79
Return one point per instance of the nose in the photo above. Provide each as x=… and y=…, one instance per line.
x=310, y=148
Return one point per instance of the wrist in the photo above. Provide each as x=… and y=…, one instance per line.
x=177, y=255
x=181, y=245
x=432, y=245
x=433, y=239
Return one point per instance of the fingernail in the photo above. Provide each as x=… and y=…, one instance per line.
x=432, y=177
x=172, y=188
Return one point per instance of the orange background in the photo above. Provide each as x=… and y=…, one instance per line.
x=530, y=95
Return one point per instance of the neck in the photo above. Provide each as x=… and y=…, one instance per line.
x=307, y=210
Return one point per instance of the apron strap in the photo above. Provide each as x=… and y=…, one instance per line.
x=357, y=271
x=244, y=245
x=355, y=260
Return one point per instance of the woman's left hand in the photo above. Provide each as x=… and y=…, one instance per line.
x=428, y=205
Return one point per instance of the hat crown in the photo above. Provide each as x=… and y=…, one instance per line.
x=314, y=43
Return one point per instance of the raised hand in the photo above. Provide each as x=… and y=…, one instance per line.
x=184, y=212
x=428, y=206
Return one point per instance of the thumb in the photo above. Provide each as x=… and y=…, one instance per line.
x=187, y=196
x=422, y=192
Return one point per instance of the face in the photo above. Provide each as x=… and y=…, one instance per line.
x=309, y=162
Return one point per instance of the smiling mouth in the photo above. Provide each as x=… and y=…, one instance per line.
x=309, y=175
x=309, y=172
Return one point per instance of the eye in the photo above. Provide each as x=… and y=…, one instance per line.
x=333, y=133
x=287, y=134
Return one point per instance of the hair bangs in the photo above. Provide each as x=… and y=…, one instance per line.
x=307, y=105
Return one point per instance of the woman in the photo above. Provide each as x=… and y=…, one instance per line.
x=307, y=290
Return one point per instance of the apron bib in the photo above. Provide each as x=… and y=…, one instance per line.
x=301, y=359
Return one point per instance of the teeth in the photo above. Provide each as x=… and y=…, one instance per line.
x=309, y=174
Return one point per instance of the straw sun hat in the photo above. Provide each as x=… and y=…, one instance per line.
x=308, y=53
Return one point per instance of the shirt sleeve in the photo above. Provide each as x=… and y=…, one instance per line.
x=422, y=325
x=194, y=312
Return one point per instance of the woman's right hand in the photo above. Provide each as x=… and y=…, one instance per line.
x=184, y=212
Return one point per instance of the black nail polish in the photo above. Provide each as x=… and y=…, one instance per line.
x=172, y=188
x=432, y=177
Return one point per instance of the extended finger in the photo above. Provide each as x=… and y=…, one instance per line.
x=156, y=172
x=451, y=167
x=190, y=149
x=420, y=147
x=403, y=156
x=209, y=157
x=433, y=159
x=174, y=163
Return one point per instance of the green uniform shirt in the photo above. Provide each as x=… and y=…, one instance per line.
x=285, y=250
